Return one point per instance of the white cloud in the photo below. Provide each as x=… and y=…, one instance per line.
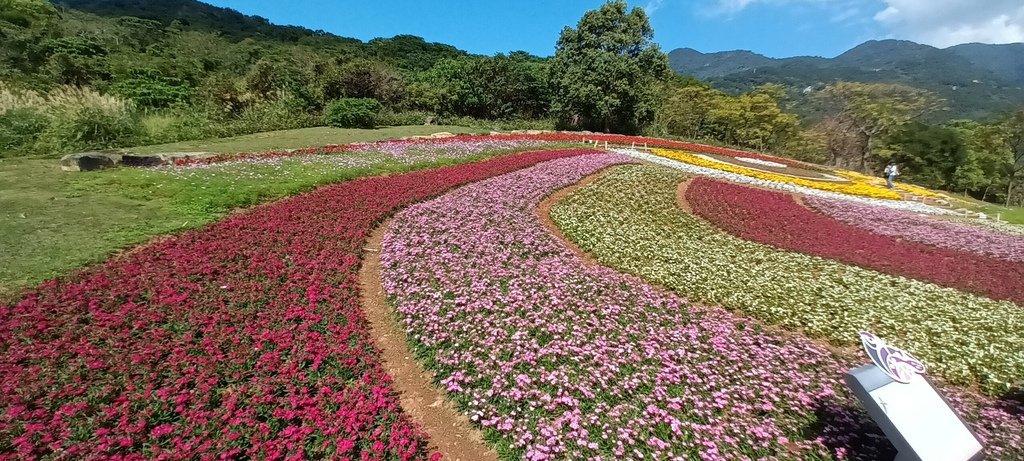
x=653, y=5
x=846, y=14
x=944, y=23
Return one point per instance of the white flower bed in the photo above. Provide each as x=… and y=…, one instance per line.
x=757, y=161
x=738, y=178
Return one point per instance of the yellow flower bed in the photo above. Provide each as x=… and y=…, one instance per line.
x=909, y=188
x=860, y=188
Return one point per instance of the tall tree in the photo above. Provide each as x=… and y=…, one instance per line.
x=869, y=111
x=1013, y=127
x=604, y=73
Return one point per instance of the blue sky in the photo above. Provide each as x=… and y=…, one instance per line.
x=776, y=28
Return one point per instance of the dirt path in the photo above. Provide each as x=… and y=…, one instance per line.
x=451, y=433
x=544, y=213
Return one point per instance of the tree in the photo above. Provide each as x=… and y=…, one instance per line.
x=687, y=109
x=363, y=78
x=870, y=111
x=987, y=154
x=604, y=73
x=1013, y=129
x=929, y=155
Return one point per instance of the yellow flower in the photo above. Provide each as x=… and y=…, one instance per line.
x=856, y=187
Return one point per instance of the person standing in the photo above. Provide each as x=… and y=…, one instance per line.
x=890, y=173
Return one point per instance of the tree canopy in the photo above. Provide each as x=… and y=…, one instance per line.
x=605, y=71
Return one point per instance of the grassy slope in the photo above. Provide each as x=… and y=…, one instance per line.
x=294, y=139
x=53, y=221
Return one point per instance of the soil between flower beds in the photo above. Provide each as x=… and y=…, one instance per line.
x=241, y=339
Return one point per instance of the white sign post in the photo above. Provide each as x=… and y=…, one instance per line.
x=909, y=410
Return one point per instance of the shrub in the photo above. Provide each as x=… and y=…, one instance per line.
x=19, y=131
x=149, y=88
x=391, y=118
x=22, y=119
x=284, y=112
x=352, y=113
x=83, y=119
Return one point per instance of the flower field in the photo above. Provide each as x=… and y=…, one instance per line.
x=775, y=219
x=909, y=226
x=857, y=188
x=631, y=321
x=244, y=339
x=567, y=361
x=559, y=359
x=654, y=239
x=782, y=184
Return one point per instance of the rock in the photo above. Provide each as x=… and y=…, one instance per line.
x=141, y=160
x=534, y=132
x=164, y=158
x=172, y=157
x=442, y=135
x=496, y=133
x=89, y=161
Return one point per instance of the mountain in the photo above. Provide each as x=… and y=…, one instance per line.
x=1005, y=61
x=406, y=51
x=977, y=80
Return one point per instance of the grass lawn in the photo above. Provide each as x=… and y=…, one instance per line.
x=1010, y=214
x=296, y=139
x=52, y=221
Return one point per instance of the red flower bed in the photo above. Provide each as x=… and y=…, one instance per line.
x=555, y=137
x=242, y=339
x=775, y=219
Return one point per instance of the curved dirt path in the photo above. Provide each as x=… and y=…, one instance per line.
x=450, y=431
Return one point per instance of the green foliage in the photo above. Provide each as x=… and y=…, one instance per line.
x=502, y=87
x=352, y=113
x=82, y=119
x=929, y=155
x=604, y=73
x=27, y=13
x=392, y=118
x=869, y=112
x=149, y=88
x=1012, y=128
x=754, y=120
x=19, y=131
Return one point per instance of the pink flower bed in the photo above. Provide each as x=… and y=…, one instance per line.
x=244, y=339
x=909, y=226
x=402, y=145
x=774, y=218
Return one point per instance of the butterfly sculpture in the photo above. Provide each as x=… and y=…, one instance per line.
x=897, y=363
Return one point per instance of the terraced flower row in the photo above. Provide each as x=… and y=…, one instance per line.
x=567, y=361
x=554, y=137
x=560, y=359
x=357, y=155
x=964, y=338
x=854, y=188
x=783, y=186
x=244, y=339
x=908, y=226
x=775, y=219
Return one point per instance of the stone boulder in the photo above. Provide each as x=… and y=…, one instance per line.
x=164, y=158
x=442, y=135
x=89, y=161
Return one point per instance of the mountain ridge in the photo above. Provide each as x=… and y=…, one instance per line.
x=978, y=80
